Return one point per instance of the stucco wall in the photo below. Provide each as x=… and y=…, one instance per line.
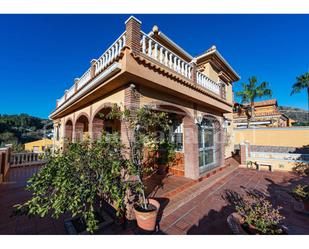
x=289, y=136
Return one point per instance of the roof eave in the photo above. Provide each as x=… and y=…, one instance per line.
x=237, y=77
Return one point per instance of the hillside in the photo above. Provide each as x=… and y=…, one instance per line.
x=300, y=115
x=22, y=128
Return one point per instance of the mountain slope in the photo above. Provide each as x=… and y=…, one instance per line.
x=22, y=128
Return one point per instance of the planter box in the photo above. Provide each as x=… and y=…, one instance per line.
x=74, y=226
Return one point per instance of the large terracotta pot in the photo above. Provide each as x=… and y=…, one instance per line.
x=146, y=220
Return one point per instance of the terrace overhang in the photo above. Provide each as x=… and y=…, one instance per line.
x=87, y=92
x=226, y=72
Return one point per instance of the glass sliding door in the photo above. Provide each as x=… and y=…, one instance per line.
x=207, y=146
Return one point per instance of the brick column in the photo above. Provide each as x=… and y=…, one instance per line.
x=222, y=90
x=132, y=102
x=133, y=34
x=191, y=153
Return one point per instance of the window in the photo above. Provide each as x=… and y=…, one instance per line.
x=35, y=148
x=177, y=135
x=207, y=148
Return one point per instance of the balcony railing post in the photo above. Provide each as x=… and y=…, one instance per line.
x=75, y=84
x=193, y=71
x=65, y=94
x=92, y=68
x=133, y=34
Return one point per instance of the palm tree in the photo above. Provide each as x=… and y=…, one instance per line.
x=250, y=93
x=302, y=82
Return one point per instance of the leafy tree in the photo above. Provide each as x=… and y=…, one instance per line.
x=302, y=82
x=77, y=179
x=252, y=91
x=147, y=131
x=8, y=138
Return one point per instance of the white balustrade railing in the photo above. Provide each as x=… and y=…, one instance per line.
x=110, y=55
x=70, y=92
x=151, y=48
x=163, y=55
x=206, y=82
x=61, y=100
x=84, y=79
x=106, y=59
x=26, y=159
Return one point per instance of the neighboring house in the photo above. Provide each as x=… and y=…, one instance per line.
x=266, y=114
x=39, y=145
x=149, y=69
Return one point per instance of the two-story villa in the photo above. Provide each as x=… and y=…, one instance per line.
x=197, y=90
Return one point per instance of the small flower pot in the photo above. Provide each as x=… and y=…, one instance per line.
x=147, y=218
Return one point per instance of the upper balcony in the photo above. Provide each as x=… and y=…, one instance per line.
x=156, y=48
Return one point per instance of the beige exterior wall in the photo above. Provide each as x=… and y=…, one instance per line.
x=39, y=145
x=229, y=93
x=289, y=137
x=210, y=72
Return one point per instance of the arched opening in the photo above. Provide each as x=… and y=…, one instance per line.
x=82, y=128
x=176, y=137
x=69, y=131
x=101, y=122
x=209, y=143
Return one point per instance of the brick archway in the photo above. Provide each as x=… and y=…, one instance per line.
x=68, y=130
x=99, y=123
x=81, y=127
x=190, y=137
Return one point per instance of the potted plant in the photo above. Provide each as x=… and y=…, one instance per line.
x=146, y=130
x=301, y=193
x=166, y=154
x=256, y=215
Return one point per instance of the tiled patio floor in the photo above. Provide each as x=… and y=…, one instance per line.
x=12, y=192
x=205, y=212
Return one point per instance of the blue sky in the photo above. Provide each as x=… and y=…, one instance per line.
x=40, y=55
